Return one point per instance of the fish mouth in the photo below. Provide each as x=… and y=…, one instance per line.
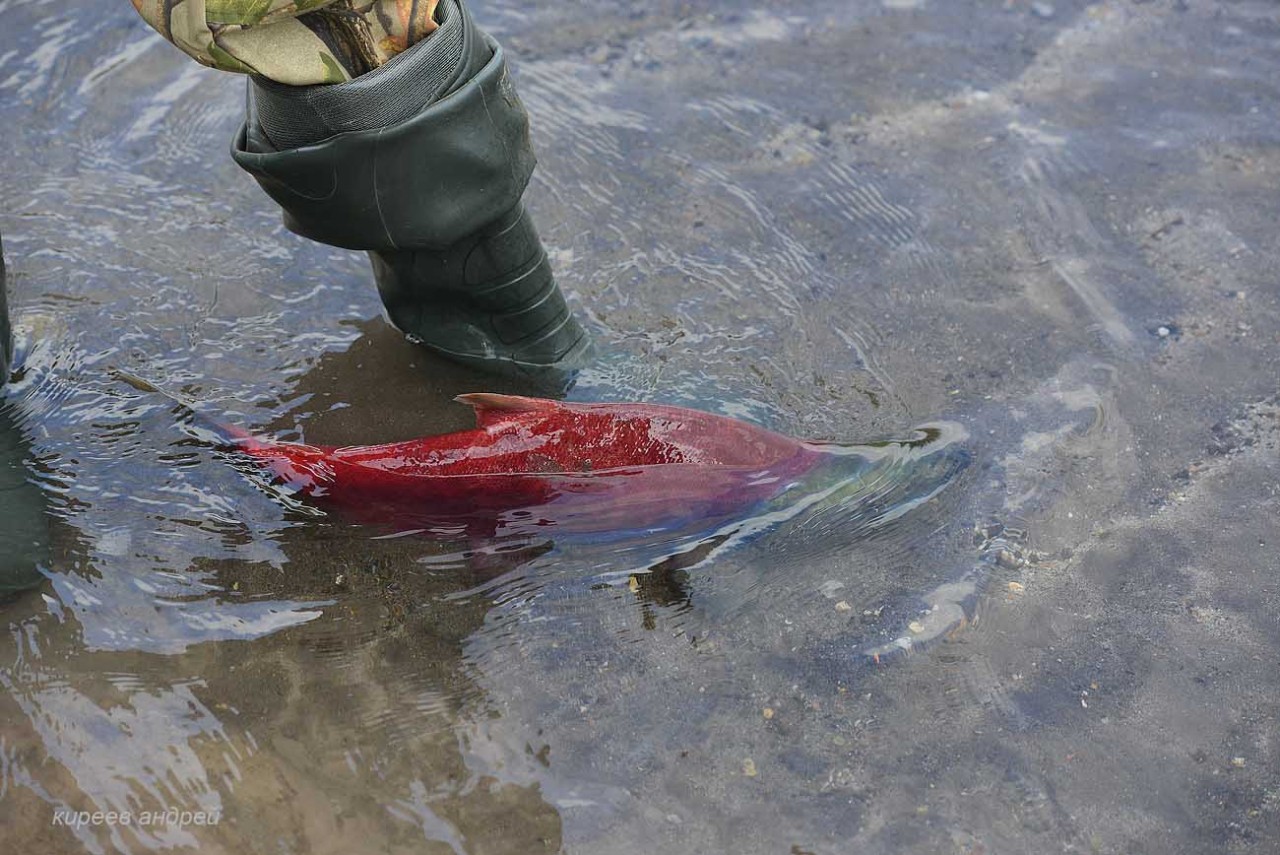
x=927, y=437
x=890, y=478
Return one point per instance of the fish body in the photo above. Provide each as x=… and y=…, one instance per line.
x=532, y=463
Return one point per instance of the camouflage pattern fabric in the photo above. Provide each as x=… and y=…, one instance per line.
x=298, y=42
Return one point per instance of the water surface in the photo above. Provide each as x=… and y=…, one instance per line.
x=1048, y=227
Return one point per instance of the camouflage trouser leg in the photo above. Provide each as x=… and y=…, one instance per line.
x=298, y=42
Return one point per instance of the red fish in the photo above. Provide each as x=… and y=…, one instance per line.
x=602, y=469
x=532, y=463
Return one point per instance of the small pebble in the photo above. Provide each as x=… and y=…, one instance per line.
x=768, y=712
x=916, y=626
x=749, y=768
x=1237, y=762
x=1016, y=587
x=843, y=606
x=1163, y=332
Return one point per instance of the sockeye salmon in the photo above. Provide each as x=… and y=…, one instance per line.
x=533, y=464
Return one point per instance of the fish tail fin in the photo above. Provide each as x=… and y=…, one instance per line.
x=226, y=434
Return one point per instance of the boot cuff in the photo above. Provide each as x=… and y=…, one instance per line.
x=296, y=116
x=454, y=166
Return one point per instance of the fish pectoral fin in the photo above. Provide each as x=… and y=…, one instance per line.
x=491, y=407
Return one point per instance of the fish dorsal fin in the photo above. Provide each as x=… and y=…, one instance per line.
x=492, y=408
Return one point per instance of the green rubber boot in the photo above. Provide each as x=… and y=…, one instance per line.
x=24, y=527
x=423, y=163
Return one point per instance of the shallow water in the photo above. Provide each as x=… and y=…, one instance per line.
x=1050, y=227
